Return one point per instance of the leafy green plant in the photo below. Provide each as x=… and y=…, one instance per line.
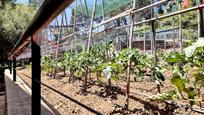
x=169, y=95
x=187, y=68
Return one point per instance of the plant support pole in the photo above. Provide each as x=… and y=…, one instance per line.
x=87, y=11
x=174, y=39
x=129, y=61
x=165, y=43
x=180, y=30
x=91, y=25
x=103, y=14
x=201, y=32
x=74, y=26
x=144, y=37
x=36, y=78
x=153, y=32
x=59, y=36
x=200, y=21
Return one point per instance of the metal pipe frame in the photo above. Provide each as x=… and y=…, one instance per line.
x=14, y=70
x=46, y=13
x=150, y=20
x=145, y=21
x=36, y=77
x=125, y=13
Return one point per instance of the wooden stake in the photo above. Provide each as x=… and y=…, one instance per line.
x=59, y=36
x=129, y=61
x=91, y=25
x=200, y=21
x=87, y=11
x=180, y=30
x=74, y=26
x=173, y=28
x=144, y=37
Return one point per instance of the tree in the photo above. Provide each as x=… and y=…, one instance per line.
x=14, y=19
x=4, y=2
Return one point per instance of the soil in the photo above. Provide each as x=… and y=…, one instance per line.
x=67, y=98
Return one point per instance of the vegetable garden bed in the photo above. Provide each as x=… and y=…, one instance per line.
x=97, y=99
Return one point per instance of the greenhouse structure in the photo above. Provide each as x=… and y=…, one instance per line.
x=84, y=57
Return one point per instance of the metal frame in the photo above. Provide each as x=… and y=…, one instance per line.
x=14, y=69
x=50, y=9
x=36, y=79
x=47, y=12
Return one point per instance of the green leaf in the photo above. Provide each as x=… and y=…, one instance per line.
x=159, y=75
x=176, y=57
x=189, y=51
x=178, y=82
x=170, y=95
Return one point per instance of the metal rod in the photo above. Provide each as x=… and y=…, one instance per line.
x=14, y=69
x=36, y=76
x=46, y=13
x=10, y=66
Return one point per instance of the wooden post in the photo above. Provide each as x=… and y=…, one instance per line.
x=66, y=23
x=129, y=61
x=200, y=32
x=91, y=25
x=117, y=42
x=59, y=36
x=144, y=37
x=82, y=11
x=87, y=11
x=103, y=14
x=14, y=69
x=174, y=41
x=165, y=43
x=102, y=6
x=153, y=32
x=73, y=29
x=200, y=21
x=180, y=30
x=153, y=40
x=36, y=79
